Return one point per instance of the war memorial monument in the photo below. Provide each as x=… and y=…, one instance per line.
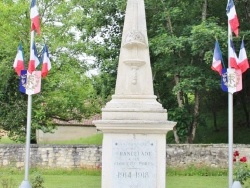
x=134, y=123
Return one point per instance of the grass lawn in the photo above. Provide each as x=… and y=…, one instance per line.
x=76, y=181
x=79, y=181
x=91, y=140
x=82, y=181
x=82, y=178
x=197, y=182
x=6, y=140
x=64, y=181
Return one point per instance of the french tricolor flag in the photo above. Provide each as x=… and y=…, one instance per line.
x=243, y=61
x=232, y=17
x=46, y=62
x=34, y=16
x=217, y=58
x=34, y=61
x=233, y=59
x=19, y=60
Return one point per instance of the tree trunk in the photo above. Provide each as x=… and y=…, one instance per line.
x=176, y=137
x=204, y=11
x=176, y=76
x=179, y=93
x=247, y=12
x=169, y=24
x=180, y=104
x=193, y=127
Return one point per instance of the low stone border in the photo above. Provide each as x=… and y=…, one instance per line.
x=82, y=156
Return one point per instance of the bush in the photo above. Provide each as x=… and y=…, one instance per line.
x=37, y=181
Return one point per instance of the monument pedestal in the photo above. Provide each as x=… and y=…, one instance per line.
x=134, y=143
x=134, y=160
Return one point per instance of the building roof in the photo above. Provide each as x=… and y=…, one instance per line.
x=83, y=122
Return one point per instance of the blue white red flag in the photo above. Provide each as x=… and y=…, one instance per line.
x=34, y=61
x=30, y=83
x=231, y=80
x=19, y=60
x=217, y=58
x=232, y=17
x=233, y=59
x=34, y=16
x=46, y=62
x=243, y=61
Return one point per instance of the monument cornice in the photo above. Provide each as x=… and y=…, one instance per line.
x=134, y=126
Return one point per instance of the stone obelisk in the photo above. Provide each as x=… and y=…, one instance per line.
x=133, y=123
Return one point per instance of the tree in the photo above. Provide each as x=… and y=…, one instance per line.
x=67, y=93
x=183, y=41
x=185, y=52
x=101, y=24
x=181, y=36
x=12, y=112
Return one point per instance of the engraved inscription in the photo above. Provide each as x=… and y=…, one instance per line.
x=134, y=163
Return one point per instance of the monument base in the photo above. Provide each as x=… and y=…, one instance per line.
x=133, y=154
x=134, y=160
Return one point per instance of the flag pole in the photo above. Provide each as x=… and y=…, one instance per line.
x=230, y=120
x=25, y=183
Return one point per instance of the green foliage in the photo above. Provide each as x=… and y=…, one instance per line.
x=181, y=43
x=183, y=119
x=100, y=25
x=12, y=114
x=67, y=93
x=241, y=168
x=37, y=181
x=242, y=173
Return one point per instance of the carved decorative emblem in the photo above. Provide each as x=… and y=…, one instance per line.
x=135, y=37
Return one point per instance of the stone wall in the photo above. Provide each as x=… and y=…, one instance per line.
x=52, y=156
x=81, y=156
x=213, y=155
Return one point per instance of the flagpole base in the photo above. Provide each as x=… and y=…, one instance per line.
x=236, y=184
x=25, y=184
